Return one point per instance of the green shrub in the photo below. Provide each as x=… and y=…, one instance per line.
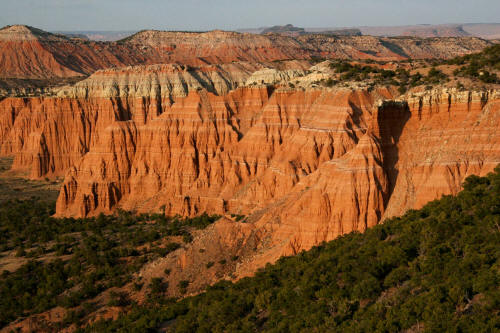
x=183, y=286
x=157, y=285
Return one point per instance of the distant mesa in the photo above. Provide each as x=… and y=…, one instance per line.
x=291, y=30
x=482, y=30
x=76, y=36
x=100, y=36
x=437, y=31
x=342, y=32
x=281, y=29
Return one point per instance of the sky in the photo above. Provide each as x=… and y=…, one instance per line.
x=71, y=15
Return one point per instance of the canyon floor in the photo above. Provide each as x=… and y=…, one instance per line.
x=167, y=161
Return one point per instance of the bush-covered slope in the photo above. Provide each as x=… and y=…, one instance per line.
x=482, y=65
x=67, y=262
x=432, y=270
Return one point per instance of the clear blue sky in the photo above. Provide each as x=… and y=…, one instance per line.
x=233, y=14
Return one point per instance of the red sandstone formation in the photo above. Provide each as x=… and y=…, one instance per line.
x=27, y=52
x=247, y=151
x=304, y=164
x=49, y=135
x=343, y=165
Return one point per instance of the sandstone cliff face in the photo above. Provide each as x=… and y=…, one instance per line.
x=242, y=151
x=178, y=155
x=218, y=153
x=449, y=136
x=49, y=135
x=345, y=169
x=304, y=165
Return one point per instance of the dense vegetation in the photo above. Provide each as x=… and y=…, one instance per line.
x=479, y=65
x=73, y=260
x=435, y=269
x=401, y=77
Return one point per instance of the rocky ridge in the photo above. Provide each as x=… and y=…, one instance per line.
x=31, y=53
x=24, y=33
x=164, y=81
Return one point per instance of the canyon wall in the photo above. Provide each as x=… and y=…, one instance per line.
x=346, y=161
x=236, y=152
x=252, y=150
x=303, y=165
x=449, y=136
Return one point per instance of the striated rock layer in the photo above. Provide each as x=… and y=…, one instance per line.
x=161, y=81
x=304, y=165
x=449, y=136
x=49, y=135
x=30, y=53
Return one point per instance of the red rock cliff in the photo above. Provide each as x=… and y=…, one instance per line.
x=305, y=166
x=342, y=163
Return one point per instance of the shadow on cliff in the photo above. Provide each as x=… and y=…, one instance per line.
x=356, y=120
x=391, y=119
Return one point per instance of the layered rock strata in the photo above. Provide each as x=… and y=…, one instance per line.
x=343, y=173
x=304, y=165
x=30, y=53
x=162, y=81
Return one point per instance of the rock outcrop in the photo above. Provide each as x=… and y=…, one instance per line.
x=240, y=151
x=449, y=136
x=161, y=81
x=49, y=135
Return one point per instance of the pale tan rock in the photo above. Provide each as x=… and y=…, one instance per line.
x=273, y=76
x=160, y=81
